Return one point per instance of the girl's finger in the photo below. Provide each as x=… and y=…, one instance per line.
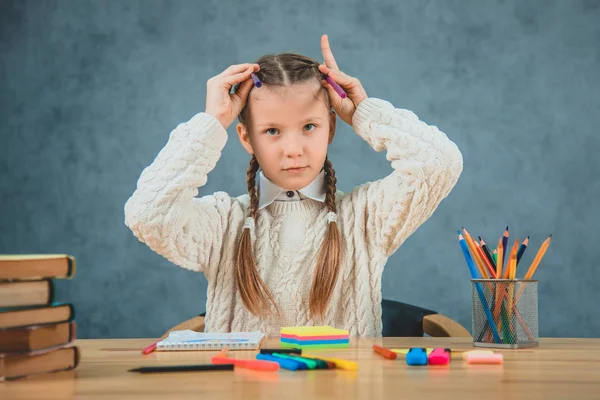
x=236, y=69
x=341, y=78
x=327, y=54
x=229, y=81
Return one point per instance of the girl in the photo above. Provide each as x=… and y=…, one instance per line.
x=293, y=251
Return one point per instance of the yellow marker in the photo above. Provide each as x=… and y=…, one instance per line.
x=405, y=351
x=343, y=364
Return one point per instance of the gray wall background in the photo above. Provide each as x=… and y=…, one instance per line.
x=89, y=91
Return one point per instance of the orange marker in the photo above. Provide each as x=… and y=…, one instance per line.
x=382, y=351
x=258, y=365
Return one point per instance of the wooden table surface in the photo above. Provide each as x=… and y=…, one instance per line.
x=559, y=368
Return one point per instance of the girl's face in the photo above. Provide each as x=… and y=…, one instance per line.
x=288, y=132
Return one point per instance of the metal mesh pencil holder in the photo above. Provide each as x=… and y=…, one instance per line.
x=505, y=313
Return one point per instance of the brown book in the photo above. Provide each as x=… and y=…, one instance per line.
x=13, y=366
x=26, y=293
x=36, y=337
x=36, y=266
x=36, y=315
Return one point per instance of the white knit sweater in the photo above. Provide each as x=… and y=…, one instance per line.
x=202, y=234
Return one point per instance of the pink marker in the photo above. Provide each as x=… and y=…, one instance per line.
x=482, y=358
x=439, y=356
x=338, y=89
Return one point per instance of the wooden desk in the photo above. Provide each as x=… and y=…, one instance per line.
x=559, y=368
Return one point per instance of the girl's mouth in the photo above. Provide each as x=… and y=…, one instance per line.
x=295, y=170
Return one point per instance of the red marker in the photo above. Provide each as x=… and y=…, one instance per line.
x=150, y=348
x=390, y=355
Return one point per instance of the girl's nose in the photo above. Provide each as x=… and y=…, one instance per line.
x=292, y=146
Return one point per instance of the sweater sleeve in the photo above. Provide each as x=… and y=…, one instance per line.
x=426, y=166
x=164, y=211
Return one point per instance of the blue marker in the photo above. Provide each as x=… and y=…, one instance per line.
x=292, y=365
x=416, y=356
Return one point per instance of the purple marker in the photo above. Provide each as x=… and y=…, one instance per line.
x=338, y=89
x=255, y=79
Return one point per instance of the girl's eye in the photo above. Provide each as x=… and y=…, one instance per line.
x=271, y=132
x=313, y=125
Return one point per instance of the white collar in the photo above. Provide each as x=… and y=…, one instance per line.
x=270, y=191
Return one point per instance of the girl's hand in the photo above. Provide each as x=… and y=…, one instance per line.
x=220, y=103
x=356, y=93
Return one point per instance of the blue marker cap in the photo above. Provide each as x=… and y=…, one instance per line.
x=255, y=79
x=286, y=363
x=416, y=356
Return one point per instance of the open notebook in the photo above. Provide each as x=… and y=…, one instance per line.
x=190, y=340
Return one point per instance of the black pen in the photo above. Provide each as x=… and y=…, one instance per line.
x=184, y=368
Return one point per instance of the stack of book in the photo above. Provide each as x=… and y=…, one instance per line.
x=36, y=335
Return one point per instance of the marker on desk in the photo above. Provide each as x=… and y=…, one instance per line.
x=481, y=352
x=281, y=351
x=184, y=368
x=382, y=351
x=416, y=356
x=309, y=362
x=320, y=364
x=482, y=358
x=256, y=365
x=291, y=365
x=439, y=356
x=405, y=351
x=341, y=364
x=150, y=348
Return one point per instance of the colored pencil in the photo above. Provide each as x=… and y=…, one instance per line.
x=475, y=255
x=486, y=262
x=512, y=260
x=486, y=251
x=499, y=263
x=522, y=249
x=538, y=258
x=474, y=275
x=504, y=244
